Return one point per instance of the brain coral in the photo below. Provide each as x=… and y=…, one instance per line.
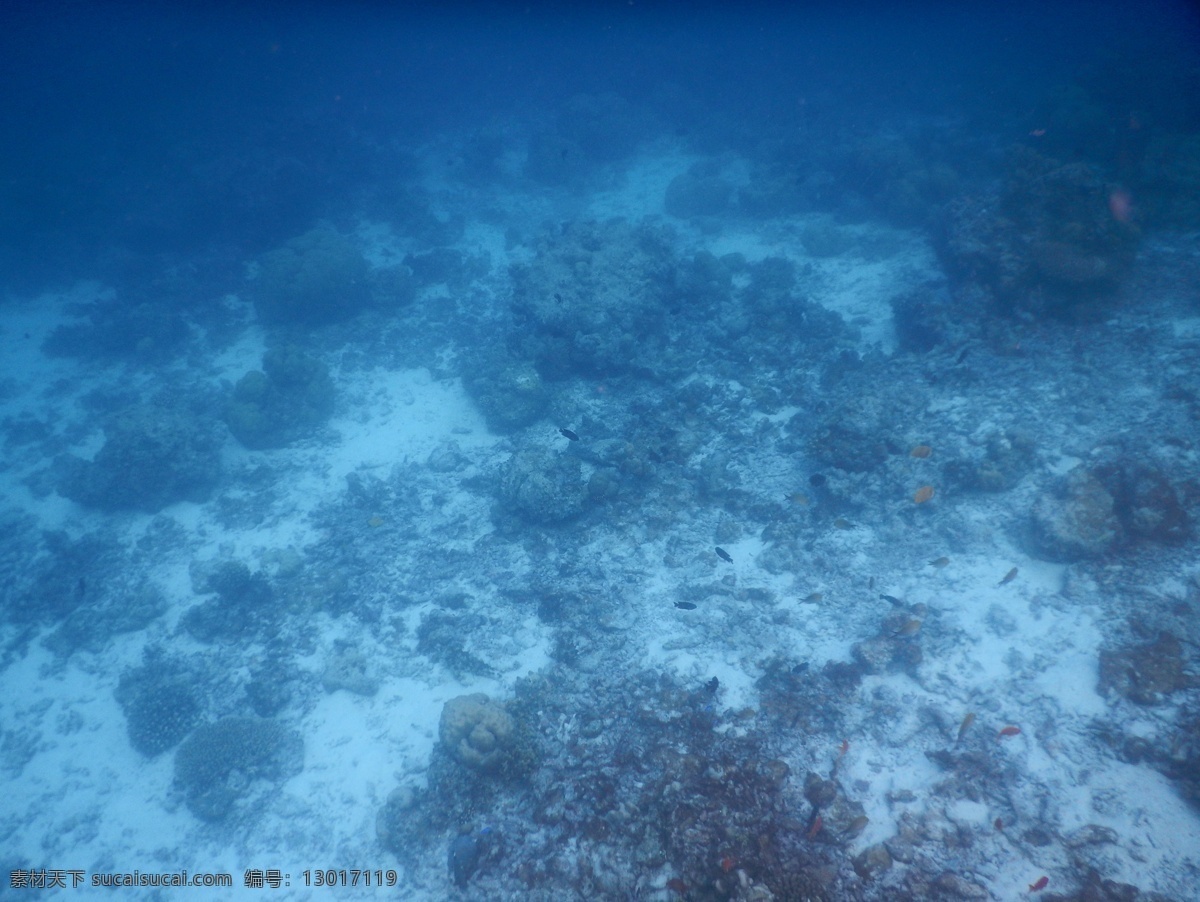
x=477, y=731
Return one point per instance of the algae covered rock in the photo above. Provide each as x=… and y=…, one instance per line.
x=1147, y=504
x=477, y=731
x=1075, y=520
x=540, y=487
x=510, y=394
x=349, y=669
x=1146, y=674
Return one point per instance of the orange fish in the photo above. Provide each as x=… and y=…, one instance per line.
x=677, y=885
x=923, y=494
x=817, y=824
x=1039, y=885
x=728, y=863
x=1008, y=731
x=920, y=451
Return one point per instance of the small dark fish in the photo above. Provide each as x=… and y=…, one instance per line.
x=685, y=605
x=813, y=597
x=842, y=523
x=1008, y=577
x=723, y=554
x=800, y=668
x=964, y=726
x=962, y=355
x=940, y=562
x=568, y=434
x=891, y=599
x=81, y=588
x=817, y=480
x=712, y=685
x=558, y=297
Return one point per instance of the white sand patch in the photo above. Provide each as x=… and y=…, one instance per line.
x=642, y=188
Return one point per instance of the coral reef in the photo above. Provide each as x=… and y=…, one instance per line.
x=216, y=765
x=160, y=702
x=153, y=455
x=286, y=400
x=594, y=299
x=318, y=277
x=650, y=779
x=1048, y=242
x=244, y=604
x=510, y=393
x=119, y=328
x=442, y=638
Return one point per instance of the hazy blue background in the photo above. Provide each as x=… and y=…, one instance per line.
x=136, y=130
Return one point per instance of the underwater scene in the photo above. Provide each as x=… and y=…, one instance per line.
x=600, y=451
